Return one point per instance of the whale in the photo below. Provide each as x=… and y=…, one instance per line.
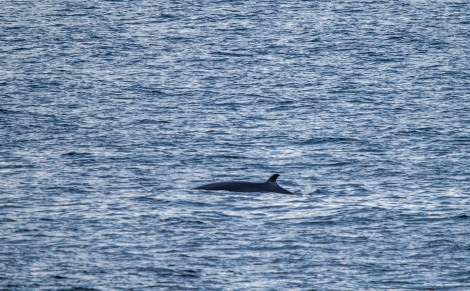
x=239, y=186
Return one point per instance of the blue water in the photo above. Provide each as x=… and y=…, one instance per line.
x=112, y=111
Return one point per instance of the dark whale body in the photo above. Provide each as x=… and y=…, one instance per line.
x=269, y=186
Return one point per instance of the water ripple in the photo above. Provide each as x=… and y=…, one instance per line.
x=113, y=111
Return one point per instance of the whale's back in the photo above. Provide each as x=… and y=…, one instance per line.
x=234, y=187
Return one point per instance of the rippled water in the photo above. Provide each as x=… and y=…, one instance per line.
x=112, y=111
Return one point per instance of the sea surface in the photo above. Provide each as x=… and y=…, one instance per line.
x=112, y=112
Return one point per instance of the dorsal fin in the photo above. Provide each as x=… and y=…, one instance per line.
x=273, y=178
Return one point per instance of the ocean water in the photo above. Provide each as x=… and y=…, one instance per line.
x=112, y=112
